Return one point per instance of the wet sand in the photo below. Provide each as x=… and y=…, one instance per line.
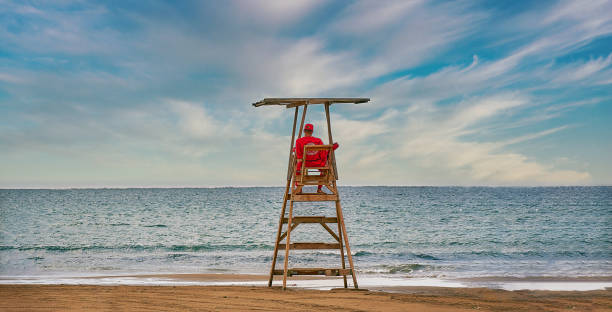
x=241, y=298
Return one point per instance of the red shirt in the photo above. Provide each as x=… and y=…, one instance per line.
x=314, y=158
x=312, y=155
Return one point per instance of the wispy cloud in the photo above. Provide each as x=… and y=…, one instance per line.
x=159, y=94
x=434, y=139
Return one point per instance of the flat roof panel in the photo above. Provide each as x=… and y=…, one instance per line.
x=293, y=102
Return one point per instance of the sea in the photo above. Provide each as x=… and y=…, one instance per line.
x=396, y=233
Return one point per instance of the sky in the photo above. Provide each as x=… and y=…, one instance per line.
x=159, y=93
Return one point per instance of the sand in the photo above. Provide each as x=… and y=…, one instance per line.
x=241, y=298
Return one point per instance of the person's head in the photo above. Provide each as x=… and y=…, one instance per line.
x=308, y=128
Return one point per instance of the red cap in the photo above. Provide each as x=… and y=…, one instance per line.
x=308, y=127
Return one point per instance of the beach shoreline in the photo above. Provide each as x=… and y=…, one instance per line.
x=232, y=298
x=373, y=282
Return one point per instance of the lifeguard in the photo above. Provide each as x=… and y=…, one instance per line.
x=313, y=158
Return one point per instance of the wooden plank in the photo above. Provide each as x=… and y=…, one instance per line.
x=332, y=156
x=320, y=101
x=301, y=101
x=315, y=271
x=312, y=219
x=285, y=234
x=300, y=135
x=291, y=165
x=346, y=242
x=341, y=244
x=337, y=272
x=315, y=178
x=331, y=233
x=304, y=246
x=316, y=182
x=295, y=104
x=286, y=265
x=319, y=147
x=313, y=197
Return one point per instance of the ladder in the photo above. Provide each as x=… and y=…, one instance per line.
x=327, y=176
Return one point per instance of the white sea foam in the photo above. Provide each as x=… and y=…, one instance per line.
x=368, y=282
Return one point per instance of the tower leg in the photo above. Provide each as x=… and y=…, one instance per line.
x=346, y=242
x=288, y=242
x=278, y=235
x=334, y=189
x=341, y=246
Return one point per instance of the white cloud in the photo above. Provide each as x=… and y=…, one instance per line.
x=434, y=139
x=582, y=70
x=363, y=17
x=10, y=78
x=194, y=120
x=531, y=136
x=142, y=102
x=275, y=12
x=298, y=68
x=591, y=14
x=405, y=33
x=470, y=112
x=440, y=144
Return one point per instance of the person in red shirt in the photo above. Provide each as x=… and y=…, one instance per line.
x=313, y=158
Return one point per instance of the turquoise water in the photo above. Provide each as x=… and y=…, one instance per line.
x=441, y=232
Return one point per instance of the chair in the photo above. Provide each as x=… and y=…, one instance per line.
x=318, y=175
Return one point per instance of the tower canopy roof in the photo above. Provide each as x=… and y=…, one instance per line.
x=294, y=102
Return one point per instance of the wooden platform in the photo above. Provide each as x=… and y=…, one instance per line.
x=312, y=219
x=315, y=271
x=312, y=197
x=304, y=246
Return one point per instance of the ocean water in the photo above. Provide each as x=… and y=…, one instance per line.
x=395, y=232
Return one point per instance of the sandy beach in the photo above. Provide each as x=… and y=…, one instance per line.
x=232, y=292
x=236, y=298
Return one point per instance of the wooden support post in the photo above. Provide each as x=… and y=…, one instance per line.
x=289, y=246
x=300, y=135
x=340, y=236
x=290, y=166
x=331, y=232
x=331, y=141
x=285, y=234
x=302, y=122
x=280, y=223
x=346, y=242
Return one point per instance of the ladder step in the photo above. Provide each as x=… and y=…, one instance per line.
x=312, y=197
x=313, y=178
x=314, y=182
x=311, y=219
x=314, y=271
x=310, y=246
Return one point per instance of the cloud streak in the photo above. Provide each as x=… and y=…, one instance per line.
x=158, y=95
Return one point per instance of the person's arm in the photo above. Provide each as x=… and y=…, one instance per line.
x=299, y=150
x=336, y=145
x=324, y=153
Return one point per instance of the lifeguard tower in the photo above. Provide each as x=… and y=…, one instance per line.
x=326, y=175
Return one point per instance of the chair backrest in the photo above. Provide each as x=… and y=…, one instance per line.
x=313, y=149
x=326, y=174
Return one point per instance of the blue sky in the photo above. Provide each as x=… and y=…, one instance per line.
x=158, y=93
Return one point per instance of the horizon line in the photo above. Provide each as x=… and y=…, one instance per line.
x=280, y=186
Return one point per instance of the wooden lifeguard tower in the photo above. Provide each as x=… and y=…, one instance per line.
x=321, y=175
